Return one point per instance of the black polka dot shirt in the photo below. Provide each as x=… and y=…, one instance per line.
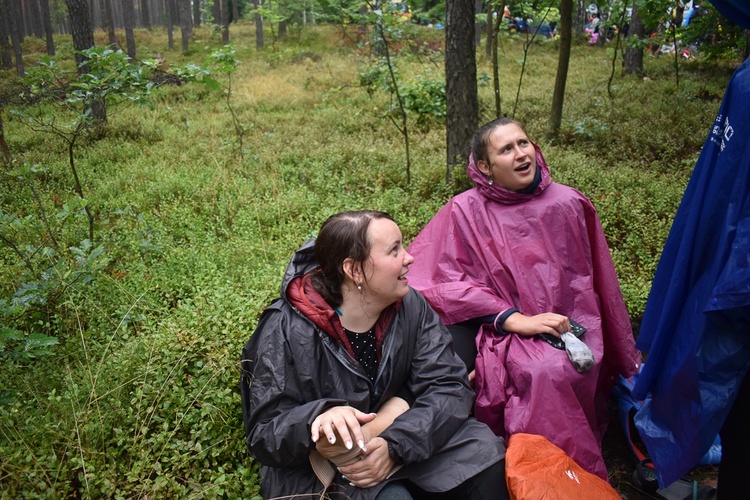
x=363, y=345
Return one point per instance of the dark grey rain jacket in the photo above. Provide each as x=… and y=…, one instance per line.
x=293, y=370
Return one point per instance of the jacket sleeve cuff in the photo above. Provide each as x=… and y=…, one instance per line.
x=501, y=319
x=496, y=320
x=393, y=454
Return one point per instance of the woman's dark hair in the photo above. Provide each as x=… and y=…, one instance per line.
x=343, y=236
x=482, y=137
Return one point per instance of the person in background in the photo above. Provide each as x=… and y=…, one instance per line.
x=350, y=385
x=508, y=264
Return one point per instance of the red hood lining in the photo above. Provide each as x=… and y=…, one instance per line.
x=302, y=294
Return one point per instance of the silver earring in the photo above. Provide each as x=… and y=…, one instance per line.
x=359, y=287
x=489, y=181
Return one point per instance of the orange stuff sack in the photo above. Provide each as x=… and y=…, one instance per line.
x=536, y=469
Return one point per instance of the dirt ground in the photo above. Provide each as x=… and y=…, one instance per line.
x=621, y=464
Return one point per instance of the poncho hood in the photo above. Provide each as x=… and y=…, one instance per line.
x=505, y=196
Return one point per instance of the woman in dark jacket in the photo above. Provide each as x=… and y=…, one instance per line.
x=351, y=364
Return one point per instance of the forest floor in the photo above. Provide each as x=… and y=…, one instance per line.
x=621, y=464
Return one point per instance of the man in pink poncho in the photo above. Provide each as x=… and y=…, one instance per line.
x=514, y=257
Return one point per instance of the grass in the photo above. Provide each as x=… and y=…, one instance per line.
x=140, y=398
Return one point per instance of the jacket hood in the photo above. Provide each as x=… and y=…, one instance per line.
x=298, y=289
x=506, y=196
x=302, y=262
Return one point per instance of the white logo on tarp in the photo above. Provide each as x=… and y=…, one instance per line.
x=572, y=475
x=728, y=130
x=722, y=133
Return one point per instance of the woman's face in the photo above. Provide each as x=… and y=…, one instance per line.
x=511, y=158
x=388, y=263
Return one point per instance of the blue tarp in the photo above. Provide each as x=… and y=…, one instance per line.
x=737, y=11
x=696, y=327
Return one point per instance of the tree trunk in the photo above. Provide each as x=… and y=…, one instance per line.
x=462, y=104
x=47, y=23
x=27, y=19
x=490, y=32
x=4, y=149
x=95, y=15
x=115, y=8
x=6, y=51
x=185, y=23
x=80, y=26
x=83, y=38
x=477, y=30
x=14, y=22
x=21, y=20
x=495, y=64
x=36, y=18
x=128, y=14
x=196, y=12
x=92, y=17
x=282, y=29
x=633, y=61
x=188, y=17
x=24, y=26
x=108, y=23
x=566, y=21
x=170, y=24
x=224, y=22
x=604, y=17
x=362, y=24
x=62, y=25
x=235, y=11
x=581, y=16
x=216, y=11
x=258, y=26
x=156, y=8
x=145, y=15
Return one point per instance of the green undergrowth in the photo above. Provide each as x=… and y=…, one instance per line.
x=139, y=397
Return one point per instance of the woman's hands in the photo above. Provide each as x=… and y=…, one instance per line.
x=344, y=421
x=527, y=326
x=369, y=463
x=373, y=468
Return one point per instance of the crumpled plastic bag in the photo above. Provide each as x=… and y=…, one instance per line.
x=578, y=352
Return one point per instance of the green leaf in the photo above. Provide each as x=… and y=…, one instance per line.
x=211, y=83
x=39, y=342
x=10, y=334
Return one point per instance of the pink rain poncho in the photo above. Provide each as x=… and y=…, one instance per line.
x=490, y=249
